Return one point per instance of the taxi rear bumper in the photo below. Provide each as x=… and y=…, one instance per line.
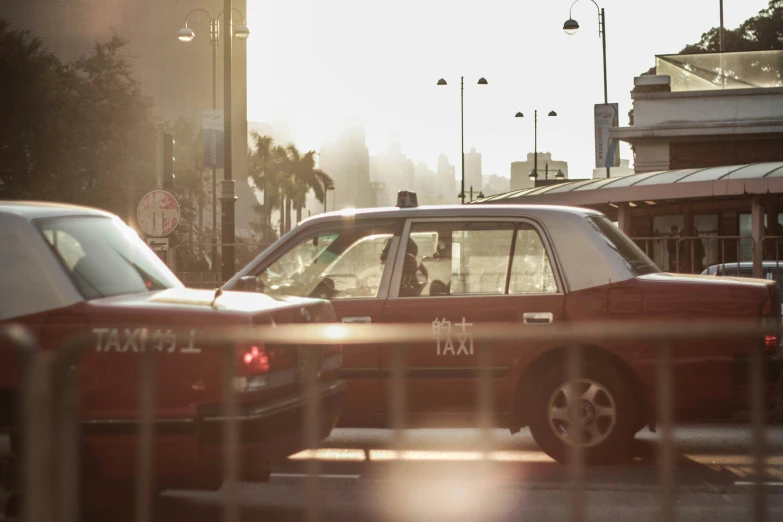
x=188, y=453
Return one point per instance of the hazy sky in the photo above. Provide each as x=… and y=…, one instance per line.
x=317, y=63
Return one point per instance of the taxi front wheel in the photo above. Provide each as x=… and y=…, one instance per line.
x=593, y=412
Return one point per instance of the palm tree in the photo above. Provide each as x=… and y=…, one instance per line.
x=262, y=172
x=306, y=178
x=286, y=177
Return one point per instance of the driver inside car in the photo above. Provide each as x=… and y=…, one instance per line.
x=414, y=275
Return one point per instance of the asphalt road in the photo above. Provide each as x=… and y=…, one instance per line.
x=440, y=477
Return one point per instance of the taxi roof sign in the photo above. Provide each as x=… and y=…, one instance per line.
x=407, y=199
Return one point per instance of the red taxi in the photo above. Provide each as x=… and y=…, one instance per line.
x=70, y=270
x=456, y=267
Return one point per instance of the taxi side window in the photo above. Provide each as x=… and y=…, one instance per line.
x=468, y=258
x=531, y=270
x=338, y=264
x=475, y=258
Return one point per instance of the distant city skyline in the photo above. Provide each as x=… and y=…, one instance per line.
x=338, y=63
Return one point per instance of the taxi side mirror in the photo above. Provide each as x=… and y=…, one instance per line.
x=249, y=284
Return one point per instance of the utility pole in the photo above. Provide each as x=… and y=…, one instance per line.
x=228, y=194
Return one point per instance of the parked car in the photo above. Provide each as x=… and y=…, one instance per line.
x=770, y=270
x=541, y=266
x=69, y=270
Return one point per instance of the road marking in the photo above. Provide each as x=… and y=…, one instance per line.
x=325, y=476
x=746, y=483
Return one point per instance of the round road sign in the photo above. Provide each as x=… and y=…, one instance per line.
x=158, y=213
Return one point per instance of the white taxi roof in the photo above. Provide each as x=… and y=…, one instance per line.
x=30, y=210
x=453, y=211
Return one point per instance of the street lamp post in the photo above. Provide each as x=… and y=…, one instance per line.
x=571, y=26
x=327, y=188
x=534, y=174
x=186, y=34
x=481, y=81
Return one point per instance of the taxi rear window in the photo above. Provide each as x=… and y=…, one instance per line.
x=633, y=257
x=104, y=257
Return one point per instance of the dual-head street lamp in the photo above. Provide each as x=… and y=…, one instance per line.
x=228, y=192
x=482, y=81
x=186, y=34
x=534, y=172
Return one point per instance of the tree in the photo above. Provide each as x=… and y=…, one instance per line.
x=306, y=178
x=78, y=132
x=286, y=176
x=757, y=33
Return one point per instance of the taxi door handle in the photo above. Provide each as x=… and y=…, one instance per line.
x=537, y=318
x=363, y=319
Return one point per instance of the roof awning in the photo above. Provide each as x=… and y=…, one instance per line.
x=756, y=178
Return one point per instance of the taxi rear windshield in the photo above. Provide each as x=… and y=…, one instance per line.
x=104, y=257
x=633, y=257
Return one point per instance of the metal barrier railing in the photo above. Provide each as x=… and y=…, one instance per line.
x=49, y=392
x=681, y=252
x=197, y=273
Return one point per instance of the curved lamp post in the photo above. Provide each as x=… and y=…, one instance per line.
x=571, y=26
x=241, y=32
x=534, y=173
x=482, y=81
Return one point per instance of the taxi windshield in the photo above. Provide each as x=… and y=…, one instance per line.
x=104, y=257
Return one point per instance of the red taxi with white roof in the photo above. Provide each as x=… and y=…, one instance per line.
x=70, y=271
x=454, y=267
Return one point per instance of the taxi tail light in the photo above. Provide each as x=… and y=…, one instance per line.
x=771, y=343
x=254, y=359
x=259, y=358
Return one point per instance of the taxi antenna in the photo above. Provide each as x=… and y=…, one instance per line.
x=218, y=293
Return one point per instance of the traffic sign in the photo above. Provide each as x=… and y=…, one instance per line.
x=158, y=244
x=158, y=213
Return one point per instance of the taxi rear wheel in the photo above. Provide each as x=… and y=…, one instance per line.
x=594, y=412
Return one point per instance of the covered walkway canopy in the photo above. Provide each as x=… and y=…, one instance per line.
x=737, y=201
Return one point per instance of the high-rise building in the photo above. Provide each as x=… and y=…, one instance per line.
x=473, y=174
x=176, y=76
x=494, y=184
x=391, y=171
x=346, y=159
x=547, y=167
x=448, y=187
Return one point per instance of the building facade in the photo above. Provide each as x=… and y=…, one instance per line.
x=547, y=168
x=682, y=120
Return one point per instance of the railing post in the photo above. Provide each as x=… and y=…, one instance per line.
x=576, y=456
x=666, y=462
x=757, y=232
x=145, y=456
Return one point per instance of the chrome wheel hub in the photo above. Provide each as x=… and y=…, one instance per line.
x=582, y=413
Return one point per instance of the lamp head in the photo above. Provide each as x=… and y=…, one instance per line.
x=570, y=26
x=186, y=34
x=533, y=175
x=242, y=32
x=519, y=115
x=552, y=113
x=559, y=174
x=442, y=82
x=482, y=81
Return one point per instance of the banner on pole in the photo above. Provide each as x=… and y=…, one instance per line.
x=212, y=125
x=607, y=150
